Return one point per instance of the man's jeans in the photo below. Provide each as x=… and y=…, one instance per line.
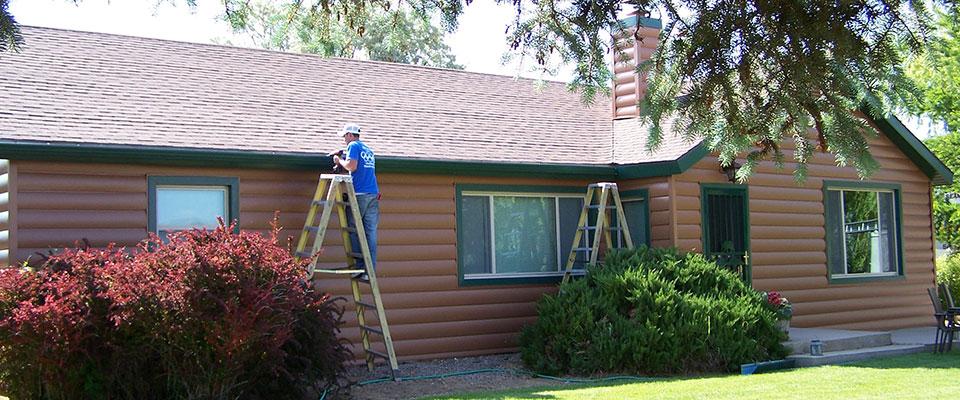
x=370, y=215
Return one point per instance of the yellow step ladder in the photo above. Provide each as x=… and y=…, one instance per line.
x=335, y=192
x=604, y=197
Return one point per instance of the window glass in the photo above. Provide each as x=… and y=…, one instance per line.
x=475, y=235
x=525, y=234
x=185, y=207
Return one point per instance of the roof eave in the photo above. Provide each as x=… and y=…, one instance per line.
x=196, y=157
x=913, y=148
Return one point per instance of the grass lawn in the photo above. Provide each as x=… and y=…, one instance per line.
x=917, y=376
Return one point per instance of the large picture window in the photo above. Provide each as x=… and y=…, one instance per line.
x=525, y=234
x=179, y=203
x=863, y=230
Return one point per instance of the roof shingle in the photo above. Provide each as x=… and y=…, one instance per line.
x=80, y=87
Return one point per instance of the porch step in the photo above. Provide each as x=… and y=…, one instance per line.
x=836, y=340
x=840, y=357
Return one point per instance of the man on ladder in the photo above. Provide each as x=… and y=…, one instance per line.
x=359, y=160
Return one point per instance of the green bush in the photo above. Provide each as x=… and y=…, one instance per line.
x=652, y=311
x=948, y=271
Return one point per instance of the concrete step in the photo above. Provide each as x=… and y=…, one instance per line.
x=845, y=356
x=837, y=340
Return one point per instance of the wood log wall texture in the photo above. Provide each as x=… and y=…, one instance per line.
x=430, y=315
x=788, y=244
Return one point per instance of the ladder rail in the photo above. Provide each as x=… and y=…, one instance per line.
x=578, y=236
x=622, y=218
x=601, y=223
x=371, y=273
x=311, y=215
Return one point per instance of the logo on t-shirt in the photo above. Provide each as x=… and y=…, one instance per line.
x=369, y=161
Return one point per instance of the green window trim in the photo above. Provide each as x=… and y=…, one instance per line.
x=233, y=191
x=832, y=247
x=573, y=191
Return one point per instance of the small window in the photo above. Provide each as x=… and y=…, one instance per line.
x=863, y=225
x=179, y=203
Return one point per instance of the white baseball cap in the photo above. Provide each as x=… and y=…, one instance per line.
x=350, y=128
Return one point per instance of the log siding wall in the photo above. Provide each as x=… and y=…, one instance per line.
x=788, y=244
x=431, y=315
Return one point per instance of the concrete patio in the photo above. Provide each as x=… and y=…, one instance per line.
x=840, y=346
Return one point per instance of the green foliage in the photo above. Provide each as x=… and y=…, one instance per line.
x=10, y=38
x=948, y=271
x=400, y=35
x=946, y=199
x=651, y=311
x=748, y=76
x=937, y=73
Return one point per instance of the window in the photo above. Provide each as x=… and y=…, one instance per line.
x=178, y=203
x=863, y=230
x=524, y=234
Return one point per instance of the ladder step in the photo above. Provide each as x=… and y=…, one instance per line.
x=596, y=206
x=582, y=249
x=303, y=254
x=377, y=354
x=343, y=271
x=371, y=329
x=593, y=228
x=349, y=229
x=366, y=305
x=323, y=203
x=312, y=229
x=358, y=256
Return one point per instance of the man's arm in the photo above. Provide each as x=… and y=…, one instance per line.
x=349, y=165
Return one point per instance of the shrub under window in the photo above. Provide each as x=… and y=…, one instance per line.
x=652, y=311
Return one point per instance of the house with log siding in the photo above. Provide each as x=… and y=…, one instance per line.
x=107, y=138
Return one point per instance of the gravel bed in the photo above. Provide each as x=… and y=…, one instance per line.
x=428, y=387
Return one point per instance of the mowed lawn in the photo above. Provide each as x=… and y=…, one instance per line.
x=917, y=376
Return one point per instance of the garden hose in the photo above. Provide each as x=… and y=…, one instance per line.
x=515, y=371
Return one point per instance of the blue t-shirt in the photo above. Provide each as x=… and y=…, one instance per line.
x=364, y=177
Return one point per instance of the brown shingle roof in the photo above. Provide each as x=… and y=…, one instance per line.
x=81, y=87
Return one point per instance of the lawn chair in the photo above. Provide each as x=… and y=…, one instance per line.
x=947, y=296
x=946, y=322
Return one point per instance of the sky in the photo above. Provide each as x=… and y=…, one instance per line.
x=478, y=43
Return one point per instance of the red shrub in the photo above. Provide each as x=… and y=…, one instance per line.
x=210, y=314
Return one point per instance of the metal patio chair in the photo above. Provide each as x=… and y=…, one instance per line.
x=947, y=322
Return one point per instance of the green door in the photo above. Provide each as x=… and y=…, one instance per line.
x=725, y=217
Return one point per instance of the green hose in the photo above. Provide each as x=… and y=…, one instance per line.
x=516, y=371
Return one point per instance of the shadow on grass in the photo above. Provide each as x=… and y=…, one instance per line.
x=925, y=360
x=537, y=392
